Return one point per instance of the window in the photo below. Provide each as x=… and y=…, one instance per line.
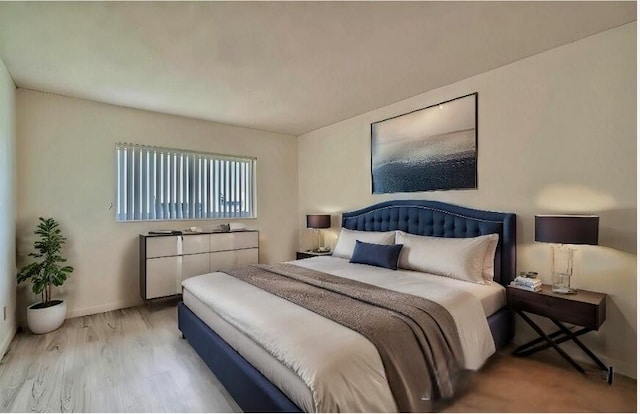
x=170, y=184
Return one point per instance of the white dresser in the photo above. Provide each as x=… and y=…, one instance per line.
x=167, y=260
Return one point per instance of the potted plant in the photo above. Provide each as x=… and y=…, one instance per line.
x=47, y=315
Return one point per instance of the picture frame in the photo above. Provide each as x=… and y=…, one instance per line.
x=428, y=149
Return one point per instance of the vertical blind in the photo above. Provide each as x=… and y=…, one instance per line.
x=170, y=184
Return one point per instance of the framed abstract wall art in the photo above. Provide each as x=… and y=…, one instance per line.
x=434, y=148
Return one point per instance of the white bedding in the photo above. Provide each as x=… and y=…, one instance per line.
x=340, y=369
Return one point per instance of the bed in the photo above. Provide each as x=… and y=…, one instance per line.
x=271, y=386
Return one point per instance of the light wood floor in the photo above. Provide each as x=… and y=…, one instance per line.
x=134, y=360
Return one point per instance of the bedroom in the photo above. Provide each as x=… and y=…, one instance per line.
x=556, y=131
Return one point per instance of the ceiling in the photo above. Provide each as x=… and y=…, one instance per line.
x=289, y=67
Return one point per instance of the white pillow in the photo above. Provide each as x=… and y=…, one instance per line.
x=347, y=240
x=458, y=258
x=488, y=270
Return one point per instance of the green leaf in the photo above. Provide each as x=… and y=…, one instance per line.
x=48, y=247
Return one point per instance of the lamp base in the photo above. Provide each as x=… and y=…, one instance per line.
x=561, y=290
x=561, y=284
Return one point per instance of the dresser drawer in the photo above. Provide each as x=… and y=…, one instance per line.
x=247, y=257
x=163, y=246
x=233, y=241
x=161, y=277
x=245, y=240
x=193, y=244
x=194, y=265
x=222, y=260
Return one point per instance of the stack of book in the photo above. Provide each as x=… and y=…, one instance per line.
x=527, y=283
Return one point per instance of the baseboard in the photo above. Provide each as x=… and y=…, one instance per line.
x=74, y=313
x=4, y=346
x=619, y=367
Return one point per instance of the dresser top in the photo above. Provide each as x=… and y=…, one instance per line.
x=165, y=233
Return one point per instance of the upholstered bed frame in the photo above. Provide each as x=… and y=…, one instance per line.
x=253, y=392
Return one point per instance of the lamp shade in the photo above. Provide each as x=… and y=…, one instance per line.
x=318, y=221
x=567, y=229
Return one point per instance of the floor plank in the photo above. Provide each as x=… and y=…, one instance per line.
x=543, y=383
x=134, y=360
x=129, y=360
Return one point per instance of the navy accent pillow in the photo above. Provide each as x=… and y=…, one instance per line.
x=381, y=255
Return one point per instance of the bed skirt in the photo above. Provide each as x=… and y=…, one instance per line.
x=502, y=327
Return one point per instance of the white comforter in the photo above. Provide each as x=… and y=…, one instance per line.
x=342, y=368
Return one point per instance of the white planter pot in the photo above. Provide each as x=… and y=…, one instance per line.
x=43, y=320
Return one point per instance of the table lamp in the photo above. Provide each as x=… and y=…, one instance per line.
x=315, y=222
x=563, y=230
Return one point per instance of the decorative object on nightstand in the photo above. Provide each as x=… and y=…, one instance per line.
x=563, y=230
x=585, y=309
x=317, y=222
x=310, y=253
x=527, y=281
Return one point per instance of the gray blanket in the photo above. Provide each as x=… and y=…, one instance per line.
x=416, y=338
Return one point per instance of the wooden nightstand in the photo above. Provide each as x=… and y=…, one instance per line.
x=586, y=309
x=307, y=254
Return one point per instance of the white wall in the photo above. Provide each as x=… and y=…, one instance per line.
x=557, y=133
x=66, y=170
x=7, y=208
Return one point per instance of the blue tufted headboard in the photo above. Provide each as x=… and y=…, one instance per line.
x=434, y=218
